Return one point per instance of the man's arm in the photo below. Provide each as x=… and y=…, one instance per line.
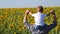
x=51, y=12
x=48, y=14
x=26, y=24
x=53, y=24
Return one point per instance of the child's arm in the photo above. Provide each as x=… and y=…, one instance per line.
x=30, y=13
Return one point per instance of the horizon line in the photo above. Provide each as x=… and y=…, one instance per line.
x=28, y=7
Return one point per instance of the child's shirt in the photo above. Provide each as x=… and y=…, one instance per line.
x=39, y=18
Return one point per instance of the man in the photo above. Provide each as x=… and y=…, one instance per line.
x=44, y=30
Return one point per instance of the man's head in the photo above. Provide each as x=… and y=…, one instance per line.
x=40, y=9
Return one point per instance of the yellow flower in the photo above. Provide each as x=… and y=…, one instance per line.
x=5, y=22
x=0, y=18
x=11, y=26
x=32, y=22
x=5, y=16
x=1, y=15
x=6, y=9
x=19, y=29
x=58, y=27
x=10, y=19
x=14, y=32
x=24, y=28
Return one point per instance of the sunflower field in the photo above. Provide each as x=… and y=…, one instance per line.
x=11, y=20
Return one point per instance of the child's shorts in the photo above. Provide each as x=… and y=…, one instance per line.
x=39, y=27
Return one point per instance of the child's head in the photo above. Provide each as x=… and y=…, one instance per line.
x=40, y=9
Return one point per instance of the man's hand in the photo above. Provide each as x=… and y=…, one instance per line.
x=25, y=17
x=52, y=12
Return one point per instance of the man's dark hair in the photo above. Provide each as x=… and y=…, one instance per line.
x=41, y=8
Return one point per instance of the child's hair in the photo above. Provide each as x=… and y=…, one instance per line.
x=41, y=8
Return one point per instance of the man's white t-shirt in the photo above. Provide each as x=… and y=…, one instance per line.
x=39, y=18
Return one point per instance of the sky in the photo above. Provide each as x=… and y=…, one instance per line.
x=28, y=3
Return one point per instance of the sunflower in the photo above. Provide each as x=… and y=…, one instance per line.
x=14, y=32
x=5, y=16
x=11, y=26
